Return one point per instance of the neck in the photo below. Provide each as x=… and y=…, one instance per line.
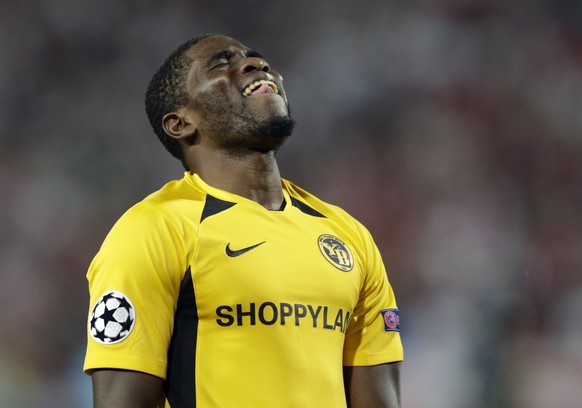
x=254, y=176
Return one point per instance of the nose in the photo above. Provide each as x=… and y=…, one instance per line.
x=254, y=64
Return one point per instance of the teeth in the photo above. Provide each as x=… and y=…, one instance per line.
x=249, y=89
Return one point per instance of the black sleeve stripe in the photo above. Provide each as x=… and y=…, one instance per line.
x=180, y=384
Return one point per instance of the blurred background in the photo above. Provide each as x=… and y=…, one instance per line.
x=452, y=129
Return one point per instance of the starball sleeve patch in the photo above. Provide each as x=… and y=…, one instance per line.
x=391, y=319
x=112, y=318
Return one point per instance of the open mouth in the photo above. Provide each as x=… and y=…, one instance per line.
x=261, y=87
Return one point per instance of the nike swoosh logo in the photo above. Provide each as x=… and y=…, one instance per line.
x=238, y=252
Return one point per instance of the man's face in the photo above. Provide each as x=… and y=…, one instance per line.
x=239, y=100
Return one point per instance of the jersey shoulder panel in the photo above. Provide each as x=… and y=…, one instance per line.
x=338, y=215
x=169, y=215
x=175, y=195
x=176, y=205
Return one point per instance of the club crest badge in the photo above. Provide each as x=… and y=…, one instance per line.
x=336, y=252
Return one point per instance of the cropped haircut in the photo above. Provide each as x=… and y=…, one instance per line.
x=166, y=92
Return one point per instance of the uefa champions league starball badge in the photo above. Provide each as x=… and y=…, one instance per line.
x=112, y=318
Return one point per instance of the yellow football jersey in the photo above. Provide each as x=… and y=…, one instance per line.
x=234, y=305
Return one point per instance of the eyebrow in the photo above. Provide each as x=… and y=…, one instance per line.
x=227, y=54
x=253, y=54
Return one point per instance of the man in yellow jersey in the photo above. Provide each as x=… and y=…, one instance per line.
x=232, y=287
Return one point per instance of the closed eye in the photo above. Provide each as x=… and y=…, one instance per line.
x=220, y=59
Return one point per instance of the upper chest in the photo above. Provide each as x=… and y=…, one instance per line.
x=246, y=255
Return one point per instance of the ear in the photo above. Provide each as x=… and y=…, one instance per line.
x=179, y=126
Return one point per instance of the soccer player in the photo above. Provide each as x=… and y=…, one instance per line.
x=232, y=287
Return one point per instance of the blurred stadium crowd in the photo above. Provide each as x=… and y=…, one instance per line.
x=452, y=129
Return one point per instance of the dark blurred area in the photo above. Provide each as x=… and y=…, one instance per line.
x=452, y=129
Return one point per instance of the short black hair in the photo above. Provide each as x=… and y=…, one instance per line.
x=166, y=92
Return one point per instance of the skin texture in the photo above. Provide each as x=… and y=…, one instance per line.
x=230, y=140
x=374, y=386
x=125, y=389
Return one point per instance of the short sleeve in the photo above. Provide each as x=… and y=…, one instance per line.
x=373, y=336
x=134, y=282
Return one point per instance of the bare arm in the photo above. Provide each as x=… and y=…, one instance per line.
x=126, y=389
x=374, y=386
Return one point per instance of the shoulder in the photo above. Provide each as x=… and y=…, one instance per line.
x=176, y=203
x=330, y=211
x=174, y=194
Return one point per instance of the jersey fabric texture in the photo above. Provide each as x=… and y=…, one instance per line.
x=238, y=306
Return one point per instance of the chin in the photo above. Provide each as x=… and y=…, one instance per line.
x=270, y=135
x=279, y=127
